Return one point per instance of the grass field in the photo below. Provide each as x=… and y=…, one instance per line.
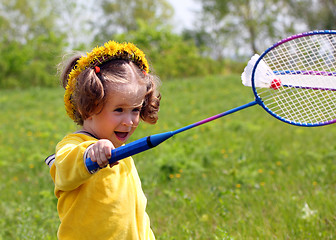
x=244, y=176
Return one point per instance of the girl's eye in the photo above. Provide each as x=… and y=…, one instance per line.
x=118, y=110
x=136, y=109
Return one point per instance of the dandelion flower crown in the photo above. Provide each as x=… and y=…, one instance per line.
x=99, y=55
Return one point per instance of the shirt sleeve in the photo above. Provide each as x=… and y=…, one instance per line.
x=70, y=171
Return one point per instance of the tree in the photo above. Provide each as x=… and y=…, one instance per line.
x=121, y=16
x=23, y=20
x=169, y=54
x=316, y=14
x=247, y=26
x=30, y=45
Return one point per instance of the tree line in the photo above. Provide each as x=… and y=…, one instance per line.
x=35, y=34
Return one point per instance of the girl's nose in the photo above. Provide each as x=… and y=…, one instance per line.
x=128, y=120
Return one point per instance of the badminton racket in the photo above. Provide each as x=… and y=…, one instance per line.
x=294, y=80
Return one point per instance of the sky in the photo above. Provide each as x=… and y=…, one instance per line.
x=184, y=12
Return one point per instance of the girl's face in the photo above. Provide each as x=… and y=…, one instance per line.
x=120, y=115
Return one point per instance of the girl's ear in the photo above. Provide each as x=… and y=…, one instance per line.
x=87, y=121
x=89, y=118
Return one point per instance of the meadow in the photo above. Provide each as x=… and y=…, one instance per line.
x=244, y=176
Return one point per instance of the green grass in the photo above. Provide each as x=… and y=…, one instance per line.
x=244, y=176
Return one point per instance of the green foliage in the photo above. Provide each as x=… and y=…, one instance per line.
x=31, y=45
x=122, y=16
x=254, y=24
x=244, y=176
x=316, y=14
x=170, y=54
x=23, y=20
x=30, y=64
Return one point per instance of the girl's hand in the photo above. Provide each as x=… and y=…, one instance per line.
x=100, y=152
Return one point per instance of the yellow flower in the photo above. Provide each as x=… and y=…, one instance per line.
x=204, y=218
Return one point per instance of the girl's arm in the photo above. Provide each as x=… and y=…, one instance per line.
x=69, y=170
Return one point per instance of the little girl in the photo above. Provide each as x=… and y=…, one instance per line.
x=107, y=93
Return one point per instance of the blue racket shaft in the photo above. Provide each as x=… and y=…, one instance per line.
x=132, y=148
x=149, y=142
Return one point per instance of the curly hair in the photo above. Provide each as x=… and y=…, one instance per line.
x=90, y=94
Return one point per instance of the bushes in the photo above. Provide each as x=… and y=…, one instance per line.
x=30, y=64
x=33, y=63
x=171, y=55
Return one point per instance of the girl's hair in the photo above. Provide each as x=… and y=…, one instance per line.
x=91, y=89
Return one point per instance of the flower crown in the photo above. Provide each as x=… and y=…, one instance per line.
x=99, y=55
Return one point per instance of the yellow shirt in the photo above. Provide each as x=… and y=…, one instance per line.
x=108, y=204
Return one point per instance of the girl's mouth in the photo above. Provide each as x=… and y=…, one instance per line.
x=121, y=135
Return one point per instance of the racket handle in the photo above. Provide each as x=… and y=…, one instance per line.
x=131, y=149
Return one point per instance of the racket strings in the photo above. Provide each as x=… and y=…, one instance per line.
x=299, y=111
x=308, y=63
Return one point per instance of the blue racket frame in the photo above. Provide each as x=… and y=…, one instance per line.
x=259, y=100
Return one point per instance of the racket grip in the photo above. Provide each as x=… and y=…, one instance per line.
x=131, y=149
